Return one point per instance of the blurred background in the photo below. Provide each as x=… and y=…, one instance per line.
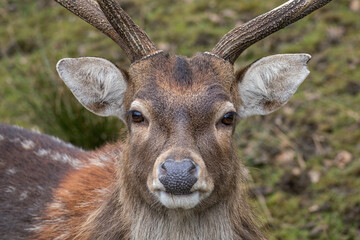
x=303, y=160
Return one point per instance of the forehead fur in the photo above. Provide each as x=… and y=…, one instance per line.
x=178, y=73
x=178, y=77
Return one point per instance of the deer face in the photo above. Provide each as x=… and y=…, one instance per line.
x=181, y=114
x=179, y=134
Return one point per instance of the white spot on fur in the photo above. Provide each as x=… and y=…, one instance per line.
x=96, y=162
x=56, y=205
x=35, y=228
x=61, y=157
x=75, y=163
x=15, y=140
x=36, y=130
x=58, y=140
x=11, y=171
x=1, y=137
x=27, y=144
x=42, y=152
x=99, y=160
x=10, y=189
x=23, y=195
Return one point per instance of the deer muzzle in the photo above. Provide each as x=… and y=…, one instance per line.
x=180, y=179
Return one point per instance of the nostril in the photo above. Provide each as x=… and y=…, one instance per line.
x=163, y=166
x=193, y=170
x=192, y=167
x=162, y=169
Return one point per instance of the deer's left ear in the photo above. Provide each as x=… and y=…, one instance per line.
x=267, y=84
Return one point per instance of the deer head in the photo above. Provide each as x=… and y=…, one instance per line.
x=181, y=112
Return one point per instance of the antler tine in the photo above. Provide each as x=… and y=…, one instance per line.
x=135, y=43
x=240, y=38
x=135, y=39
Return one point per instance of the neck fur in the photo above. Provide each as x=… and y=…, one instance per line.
x=178, y=224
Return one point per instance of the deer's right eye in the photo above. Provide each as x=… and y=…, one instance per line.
x=137, y=116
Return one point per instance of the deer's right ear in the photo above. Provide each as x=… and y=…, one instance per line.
x=96, y=83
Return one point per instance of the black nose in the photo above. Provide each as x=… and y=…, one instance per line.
x=178, y=177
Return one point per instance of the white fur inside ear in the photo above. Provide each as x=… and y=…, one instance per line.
x=270, y=82
x=97, y=84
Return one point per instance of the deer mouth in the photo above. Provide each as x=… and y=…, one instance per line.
x=180, y=201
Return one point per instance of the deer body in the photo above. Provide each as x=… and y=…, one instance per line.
x=177, y=174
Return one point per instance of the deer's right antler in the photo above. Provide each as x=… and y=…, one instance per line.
x=112, y=20
x=240, y=38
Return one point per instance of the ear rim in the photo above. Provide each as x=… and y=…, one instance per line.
x=65, y=75
x=300, y=59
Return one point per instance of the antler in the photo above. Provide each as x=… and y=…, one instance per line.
x=112, y=20
x=237, y=40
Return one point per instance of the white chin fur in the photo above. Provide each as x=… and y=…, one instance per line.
x=179, y=201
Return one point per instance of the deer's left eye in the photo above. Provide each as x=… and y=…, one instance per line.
x=136, y=116
x=229, y=118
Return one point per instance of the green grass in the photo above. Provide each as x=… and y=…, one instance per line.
x=310, y=134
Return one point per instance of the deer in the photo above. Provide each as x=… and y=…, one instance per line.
x=177, y=174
